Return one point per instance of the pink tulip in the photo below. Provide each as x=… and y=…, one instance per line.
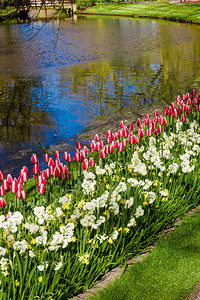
x=108, y=133
x=187, y=96
x=109, y=139
x=147, y=121
x=9, y=214
x=178, y=99
x=175, y=113
x=172, y=105
x=183, y=96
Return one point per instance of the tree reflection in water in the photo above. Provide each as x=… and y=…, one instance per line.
x=24, y=119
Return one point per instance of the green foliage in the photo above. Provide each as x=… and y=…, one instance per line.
x=163, y=1
x=83, y=4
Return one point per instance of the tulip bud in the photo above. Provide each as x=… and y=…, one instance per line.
x=46, y=158
x=9, y=214
x=2, y=191
x=109, y=139
x=96, y=137
x=85, y=164
x=101, y=144
x=91, y=162
x=139, y=122
x=1, y=175
x=2, y=203
x=9, y=179
x=36, y=169
x=183, y=118
x=156, y=113
x=78, y=145
x=76, y=157
x=42, y=189
x=159, y=129
x=109, y=133
x=56, y=172
x=50, y=162
x=57, y=154
x=14, y=187
x=65, y=170
x=5, y=184
x=34, y=159
x=141, y=133
x=130, y=126
x=122, y=124
x=188, y=101
x=102, y=154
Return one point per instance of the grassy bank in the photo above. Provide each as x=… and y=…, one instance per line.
x=170, y=272
x=172, y=12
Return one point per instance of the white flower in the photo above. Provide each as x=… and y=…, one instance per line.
x=20, y=246
x=131, y=222
x=152, y=197
x=42, y=266
x=139, y=211
x=58, y=266
x=31, y=253
x=2, y=251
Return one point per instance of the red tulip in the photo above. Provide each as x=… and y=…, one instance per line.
x=120, y=133
x=65, y=170
x=141, y=133
x=78, y=145
x=130, y=126
x=56, y=172
x=175, y=113
x=122, y=124
x=159, y=129
x=109, y=133
x=42, y=189
x=50, y=162
x=82, y=155
x=57, y=154
x=183, y=96
x=46, y=158
x=109, y=139
x=121, y=147
x=97, y=147
x=24, y=176
x=124, y=142
x=34, y=159
x=153, y=125
x=1, y=175
x=139, y=122
x=36, y=169
x=96, y=137
x=106, y=149
x=117, y=143
x=23, y=195
x=101, y=144
x=39, y=180
x=9, y=179
x=85, y=164
x=146, y=121
x=14, y=187
x=178, y=99
x=18, y=194
x=2, y=191
x=2, y=203
x=91, y=162
x=5, y=184
x=187, y=96
x=188, y=101
x=76, y=157
x=156, y=113
x=149, y=132
x=172, y=105
x=102, y=154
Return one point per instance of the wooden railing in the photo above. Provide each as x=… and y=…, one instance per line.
x=50, y=3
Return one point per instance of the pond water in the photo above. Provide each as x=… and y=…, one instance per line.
x=58, y=77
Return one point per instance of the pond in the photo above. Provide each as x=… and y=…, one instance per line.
x=58, y=77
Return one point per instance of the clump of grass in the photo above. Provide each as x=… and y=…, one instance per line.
x=170, y=272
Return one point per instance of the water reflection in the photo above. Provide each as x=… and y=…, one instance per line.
x=74, y=72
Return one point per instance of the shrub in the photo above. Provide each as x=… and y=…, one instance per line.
x=83, y=4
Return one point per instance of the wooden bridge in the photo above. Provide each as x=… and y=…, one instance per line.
x=55, y=4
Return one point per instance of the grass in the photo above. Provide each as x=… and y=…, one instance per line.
x=170, y=272
x=7, y=10
x=182, y=13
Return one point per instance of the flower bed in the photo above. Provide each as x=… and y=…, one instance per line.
x=76, y=220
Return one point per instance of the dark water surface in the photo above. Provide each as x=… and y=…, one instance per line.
x=57, y=77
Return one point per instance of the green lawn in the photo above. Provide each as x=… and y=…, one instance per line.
x=170, y=272
x=164, y=11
